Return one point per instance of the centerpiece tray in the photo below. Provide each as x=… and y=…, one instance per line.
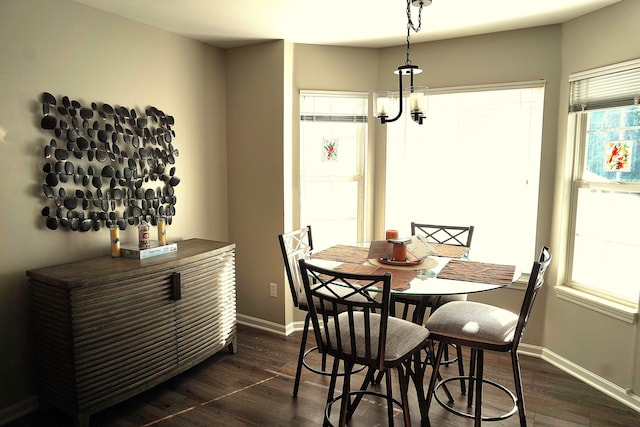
x=407, y=263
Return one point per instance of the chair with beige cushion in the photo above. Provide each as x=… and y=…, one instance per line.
x=449, y=235
x=484, y=327
x=363, y=334
x=295, y=245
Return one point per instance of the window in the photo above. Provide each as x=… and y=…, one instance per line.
x=605, y=246
x=474, y=161
x=333, y=135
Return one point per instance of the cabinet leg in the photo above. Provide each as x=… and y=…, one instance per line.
x=81, y=420
x=233, y=345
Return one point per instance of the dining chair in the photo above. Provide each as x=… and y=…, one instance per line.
x=451, y=235
x=295, y=245
x=485, y=327
x=363, y=334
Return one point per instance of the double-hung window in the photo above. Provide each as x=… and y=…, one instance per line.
x=603, y=259
x=333, y=137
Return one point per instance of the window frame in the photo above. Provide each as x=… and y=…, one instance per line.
x=577, y=139
x=362, y=154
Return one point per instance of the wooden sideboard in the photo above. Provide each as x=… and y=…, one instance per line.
x=109, y=328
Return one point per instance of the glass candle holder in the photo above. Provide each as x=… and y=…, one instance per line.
x=162, y=231
x=114, y=231
x=399, y=252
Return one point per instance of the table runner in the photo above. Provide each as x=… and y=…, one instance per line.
x=399, y=278
x=344, y=253
x=471, y=271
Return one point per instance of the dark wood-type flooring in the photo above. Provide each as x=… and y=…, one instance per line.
x=253, y=388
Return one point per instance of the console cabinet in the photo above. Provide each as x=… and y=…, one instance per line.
x=109, y=328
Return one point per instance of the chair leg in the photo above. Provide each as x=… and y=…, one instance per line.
x=368, y=379
x=345, y=402
x=332, y=387
x=519, y=392
x=463, y=389
x=404, y=399
x=435, y=364
x=334, y=377
x=479, y=373
x=390, y=396
x=417, y=375
x=303, y=345
x=472, y=373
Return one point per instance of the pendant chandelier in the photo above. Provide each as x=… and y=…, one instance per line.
x=388, y=105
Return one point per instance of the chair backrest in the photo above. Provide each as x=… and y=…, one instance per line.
x=444, y=234
x=349, y=312
x=536, y=280
x=295, y=245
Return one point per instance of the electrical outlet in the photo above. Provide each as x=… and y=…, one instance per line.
x=273, y=290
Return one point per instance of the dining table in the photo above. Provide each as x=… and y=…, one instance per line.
x=448, y=271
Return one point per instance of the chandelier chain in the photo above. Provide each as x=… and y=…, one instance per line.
x=411, y=26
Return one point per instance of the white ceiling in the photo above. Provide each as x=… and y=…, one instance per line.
x=371, y=23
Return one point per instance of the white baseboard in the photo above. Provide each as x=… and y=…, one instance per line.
x=18, y=410
x=626, y=397
x=264, y=325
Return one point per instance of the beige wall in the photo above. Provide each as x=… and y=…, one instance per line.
x=237, y=127
x=596, y=342
x=255, y=132
x=69, y=49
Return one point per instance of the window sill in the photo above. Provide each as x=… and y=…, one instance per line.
x=600, y=305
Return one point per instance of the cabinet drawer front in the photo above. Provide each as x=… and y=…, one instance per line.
x=206, y=314
x=124, y=335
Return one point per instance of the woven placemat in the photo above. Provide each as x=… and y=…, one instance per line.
x=399, y=278
x=450, y=251
x=470, y=271
x=344, y=253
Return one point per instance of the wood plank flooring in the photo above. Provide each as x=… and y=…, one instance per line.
x=253, y=388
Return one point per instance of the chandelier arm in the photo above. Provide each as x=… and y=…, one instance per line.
x=383, y=119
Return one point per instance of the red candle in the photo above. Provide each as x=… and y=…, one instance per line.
x=391, y=234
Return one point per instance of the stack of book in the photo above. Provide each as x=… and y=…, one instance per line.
x=132, y=251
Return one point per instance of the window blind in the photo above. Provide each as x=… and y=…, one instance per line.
x=615, y=85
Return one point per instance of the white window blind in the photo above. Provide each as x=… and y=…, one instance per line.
x=605, y=87
x=474, y=161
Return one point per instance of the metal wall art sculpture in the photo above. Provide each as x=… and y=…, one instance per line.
x=107, y=165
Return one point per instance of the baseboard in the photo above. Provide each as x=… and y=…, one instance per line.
x=262, y=324
x=626, y=397
x=18, y=410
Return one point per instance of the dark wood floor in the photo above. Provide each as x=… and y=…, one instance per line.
x=253, y=388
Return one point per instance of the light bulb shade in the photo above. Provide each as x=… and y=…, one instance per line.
x=417, y=96
x=385, y=104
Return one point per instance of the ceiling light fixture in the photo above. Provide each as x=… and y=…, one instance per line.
x=387, y=103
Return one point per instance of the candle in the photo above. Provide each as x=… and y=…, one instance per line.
x=115, y=241
x=382, y=106
x=162, y=232
x=391, y=234
x=416, y=101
